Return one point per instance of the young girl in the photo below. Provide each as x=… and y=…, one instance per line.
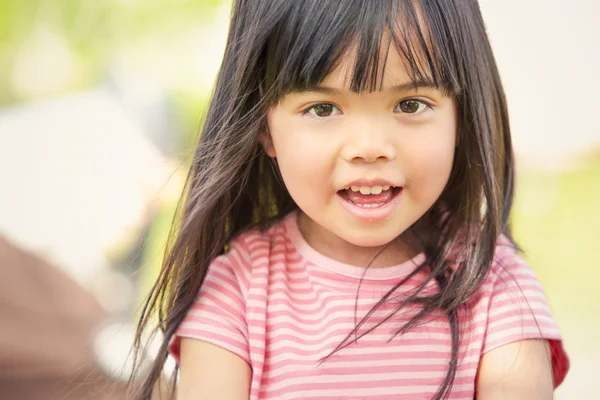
x=345, y=227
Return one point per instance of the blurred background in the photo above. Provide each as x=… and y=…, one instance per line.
x=101, y=103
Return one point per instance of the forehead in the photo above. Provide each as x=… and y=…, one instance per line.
x=392, y=70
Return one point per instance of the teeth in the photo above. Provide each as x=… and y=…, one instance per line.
x=370, y=189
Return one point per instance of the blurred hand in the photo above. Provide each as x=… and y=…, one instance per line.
x=48, y=323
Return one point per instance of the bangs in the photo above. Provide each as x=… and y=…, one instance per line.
x=320, y=33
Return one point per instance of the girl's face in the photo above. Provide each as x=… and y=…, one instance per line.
x=363, y=167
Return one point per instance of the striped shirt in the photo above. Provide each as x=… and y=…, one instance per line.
x=282, y=307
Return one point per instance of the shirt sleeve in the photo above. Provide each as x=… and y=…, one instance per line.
x=519, y=310
x=218, y=315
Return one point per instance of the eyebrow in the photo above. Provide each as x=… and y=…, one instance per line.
x=403, y=87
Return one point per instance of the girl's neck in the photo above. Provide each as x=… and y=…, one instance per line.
x=334, y=247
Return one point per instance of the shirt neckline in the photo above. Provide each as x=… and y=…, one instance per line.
x=337, y=267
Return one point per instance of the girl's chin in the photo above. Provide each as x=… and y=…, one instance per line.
x=345, y=234
x=361, y=240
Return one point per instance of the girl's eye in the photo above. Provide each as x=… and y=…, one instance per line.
x=411, y=106
x=323, y=110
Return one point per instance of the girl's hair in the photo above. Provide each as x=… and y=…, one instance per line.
x=277, y=47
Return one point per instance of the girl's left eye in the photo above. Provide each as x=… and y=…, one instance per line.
x=323, y=110
x=411, y=106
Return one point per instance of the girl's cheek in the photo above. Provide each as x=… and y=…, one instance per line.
x=303, y=155
x=305, y=146
x=428, y=162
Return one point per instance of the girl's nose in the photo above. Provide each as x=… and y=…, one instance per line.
x=368, y=143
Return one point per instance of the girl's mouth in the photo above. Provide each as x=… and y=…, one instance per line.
x=370, y=197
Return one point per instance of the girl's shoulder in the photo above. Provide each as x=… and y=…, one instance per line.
x=515, y=306
x=508, y=262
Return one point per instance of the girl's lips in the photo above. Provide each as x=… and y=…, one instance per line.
x=368, y=210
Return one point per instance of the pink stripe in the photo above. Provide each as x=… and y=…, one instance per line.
x=431, y=354
x=376, y=370
x=341, y=333
x=237, y=311
x=526, y=316
x=209, y=311
x=456, y=395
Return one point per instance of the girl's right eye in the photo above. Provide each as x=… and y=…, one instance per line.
x=322, y=110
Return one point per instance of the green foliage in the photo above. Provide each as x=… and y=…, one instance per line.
x=556, y=220
x=91, y=30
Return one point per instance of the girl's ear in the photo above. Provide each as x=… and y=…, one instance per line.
x=265, y=140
